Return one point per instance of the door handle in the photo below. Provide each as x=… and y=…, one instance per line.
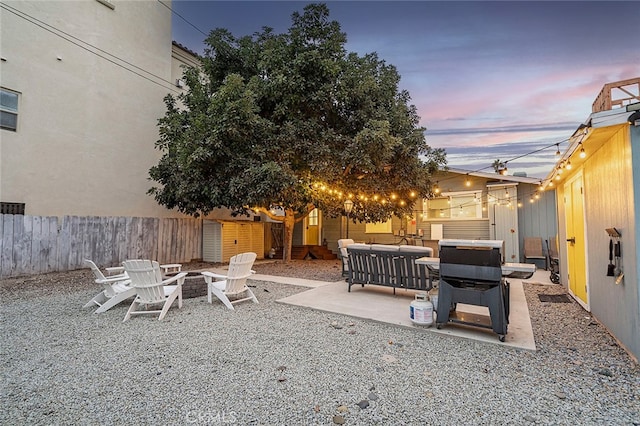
x=571, y=240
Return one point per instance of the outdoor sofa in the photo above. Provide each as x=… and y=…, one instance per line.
x=387, y=265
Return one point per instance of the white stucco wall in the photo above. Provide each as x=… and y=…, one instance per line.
x=87, y=126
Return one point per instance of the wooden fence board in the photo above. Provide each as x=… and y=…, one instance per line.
x=52, y=243
x=19, y=249
x=36, y=243
x=64, y=248
x=7, y=245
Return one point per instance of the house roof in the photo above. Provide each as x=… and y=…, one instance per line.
x=596, y=129
x=186, y=49
x=495, y=176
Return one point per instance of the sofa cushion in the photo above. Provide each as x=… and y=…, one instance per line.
x=359, y=246
x=428, y=251
x=344, y=242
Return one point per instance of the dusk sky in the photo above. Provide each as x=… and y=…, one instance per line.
x=491, y=80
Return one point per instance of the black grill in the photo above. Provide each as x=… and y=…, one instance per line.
x=473, y=275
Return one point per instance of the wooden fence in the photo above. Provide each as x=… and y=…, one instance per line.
x=36, y=244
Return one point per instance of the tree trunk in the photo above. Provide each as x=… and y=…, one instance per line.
x=287, y=243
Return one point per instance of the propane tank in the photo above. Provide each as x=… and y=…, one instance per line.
x=421, y=310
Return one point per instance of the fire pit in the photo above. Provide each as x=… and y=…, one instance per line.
x=194, y=284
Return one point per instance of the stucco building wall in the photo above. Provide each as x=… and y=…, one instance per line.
x=87, y=120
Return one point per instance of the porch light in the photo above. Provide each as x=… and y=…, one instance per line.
x=348, y=206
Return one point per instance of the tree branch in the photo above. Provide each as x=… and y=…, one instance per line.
x=268, y=213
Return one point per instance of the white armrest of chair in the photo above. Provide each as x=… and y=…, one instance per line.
x=114, y=279
x=209, y=275
x=176, y=277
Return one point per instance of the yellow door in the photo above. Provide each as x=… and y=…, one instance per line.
x=574, y=206
x=312, y=231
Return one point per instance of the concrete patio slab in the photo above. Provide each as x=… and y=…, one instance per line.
x=380, y=304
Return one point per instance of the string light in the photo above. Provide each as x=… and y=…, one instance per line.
x=557, y=150
x=568, y=166
x=583, y=154
x=468, y=181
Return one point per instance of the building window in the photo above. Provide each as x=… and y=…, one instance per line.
x=378, y=227
x=454, y=205
x=8, y=110
x=313, y=218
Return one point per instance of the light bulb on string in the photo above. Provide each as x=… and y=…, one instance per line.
x=583, y=154
x=557, y=150
x=568, y=166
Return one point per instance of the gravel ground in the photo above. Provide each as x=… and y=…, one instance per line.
x=275, y=364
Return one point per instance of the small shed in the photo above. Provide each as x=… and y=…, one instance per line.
x=223, y=239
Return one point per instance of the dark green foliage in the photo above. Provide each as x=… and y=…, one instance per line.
x=269, y=115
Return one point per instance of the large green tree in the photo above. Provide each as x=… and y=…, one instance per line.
x=292, y=120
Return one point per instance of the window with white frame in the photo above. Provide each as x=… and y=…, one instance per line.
x=454, y=205
x=8, y=110
x=312, y=220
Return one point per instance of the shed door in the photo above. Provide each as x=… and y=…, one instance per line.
x=574, y=207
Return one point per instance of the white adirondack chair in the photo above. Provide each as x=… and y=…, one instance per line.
x=151, y=289
x=116, y=289
x=234, y=284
